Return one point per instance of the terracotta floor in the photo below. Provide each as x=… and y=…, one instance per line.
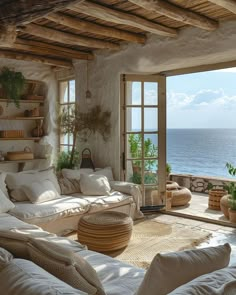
x=198, y=206
x=219, y=234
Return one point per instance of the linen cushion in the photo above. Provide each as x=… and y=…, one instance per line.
x=107, y=171
x=5, y=203
x=219, y=282
x=15, y=181
x=5, y=258
x=65, y=265
x=3, y=186
x=41, y=191
x=69, y=186
x=23, y=277
x=171, y=270
x=94, y=185
x=75, y=173
x=15, y=243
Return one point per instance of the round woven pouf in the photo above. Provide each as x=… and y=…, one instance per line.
x=180, y=197
x=106, y=231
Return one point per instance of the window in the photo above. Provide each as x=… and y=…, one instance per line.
x=66, y=100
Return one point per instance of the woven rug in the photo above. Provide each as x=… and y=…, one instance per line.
x=150, y=237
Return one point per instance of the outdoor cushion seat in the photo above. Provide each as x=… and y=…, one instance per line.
x=98, y=203
x=50, y=210
x=122, y=279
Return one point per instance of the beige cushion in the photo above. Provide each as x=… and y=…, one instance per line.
x=5, y=203
x=40, y=191
x=65, y=265
x=75, y=173
x=15, y=181
x=94, y=185
x=15, y=243
x=171, y=270
x=5, y=258
x=3, y=186
x=23, y=277
x=107, y=171
x=69, y=186
x=219, y=282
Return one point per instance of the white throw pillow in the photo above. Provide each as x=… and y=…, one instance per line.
x=5, y=203
x=15, y=181
x=69, y=186
x=23, y=277
x=65, y=265
x=41, y=191
x=107, y=171
x=5, y=258
x=169, y=271
x=94, y=185
x=75, y=173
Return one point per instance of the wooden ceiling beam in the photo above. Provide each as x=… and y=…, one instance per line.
x=18, y=12
x=66, y=38
x=227, y=4
x=35, y=58
x=177, y=13
x=41, y=48
x=82, y=25
x=124, y=18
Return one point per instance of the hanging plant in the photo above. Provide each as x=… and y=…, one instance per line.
x=12, y=84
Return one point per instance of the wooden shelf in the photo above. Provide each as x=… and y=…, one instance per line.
x=21, y=118
x=23, y=100
x=21, y=138
x=21, y=161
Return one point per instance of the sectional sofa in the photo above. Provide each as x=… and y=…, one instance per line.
x=36, y=262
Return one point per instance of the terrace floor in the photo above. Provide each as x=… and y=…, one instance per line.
x=198, y=209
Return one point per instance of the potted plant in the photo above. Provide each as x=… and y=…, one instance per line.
x=63, y=160
x=12, y=84
x=232, y=193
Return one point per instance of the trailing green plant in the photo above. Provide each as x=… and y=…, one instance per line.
x=168, y=168
x=12, y=84
x=63, y=160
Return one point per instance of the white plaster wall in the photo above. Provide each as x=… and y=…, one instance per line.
x=191, y=48
x=35, y=71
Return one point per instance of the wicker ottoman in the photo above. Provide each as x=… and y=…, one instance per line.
x=180, y=197
x=106, y=231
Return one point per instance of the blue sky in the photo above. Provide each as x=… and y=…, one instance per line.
x=202, y=100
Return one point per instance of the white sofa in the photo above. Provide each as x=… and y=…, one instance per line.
x=61, y=214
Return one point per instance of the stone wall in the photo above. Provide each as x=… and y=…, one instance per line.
x=199, y=184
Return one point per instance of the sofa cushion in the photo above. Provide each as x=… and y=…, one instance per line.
x=5, y=203
x=219, y=282
x=23, y=277
x=5, y=258
x=3, y=186
x=51, y=210
x=171, y=270
x=15, y=181
x=65, y=265
x=69, y=186
x=75, y=173
x=107, y=171
x=94, y=185
x=116, y=277
x=40, y=191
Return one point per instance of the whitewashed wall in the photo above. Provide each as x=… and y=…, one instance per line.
x=34, y=71
x=191, y=48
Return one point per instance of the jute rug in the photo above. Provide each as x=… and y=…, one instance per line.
x=150, y=237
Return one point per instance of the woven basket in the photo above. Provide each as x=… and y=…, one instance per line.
x=215, y=196
x=11, y=133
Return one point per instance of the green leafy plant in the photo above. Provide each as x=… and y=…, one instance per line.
x=231, y=187
x=63, y=160
x=168, y=168
x=12, y=84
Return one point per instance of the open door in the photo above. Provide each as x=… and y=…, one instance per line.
x=143, y=134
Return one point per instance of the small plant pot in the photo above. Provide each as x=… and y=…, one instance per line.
x=232, y=215
x=215, y=196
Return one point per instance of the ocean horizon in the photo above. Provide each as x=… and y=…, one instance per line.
x=201, y=151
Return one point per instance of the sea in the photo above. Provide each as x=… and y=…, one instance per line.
x=201, y=152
